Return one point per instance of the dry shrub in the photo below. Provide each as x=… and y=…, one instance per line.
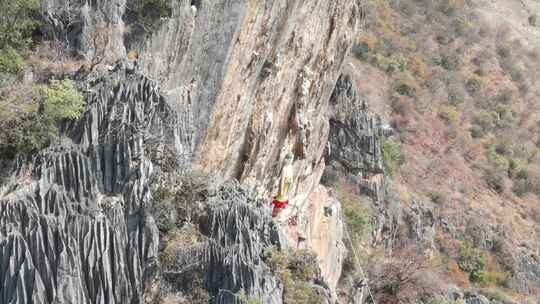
x=534, y=178
x=460, y=277
x=398, y=278
x=369, y=40
x=418, y=67
x=447, y=245
x=402, y=105
x=386, y=18
x=52, y=58
x=100, y=44
x=296, y=271
x=176, y=240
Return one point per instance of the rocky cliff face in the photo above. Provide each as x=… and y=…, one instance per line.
x=354, y=157
x=227, y=87
x=234, y=233
x=75, y=221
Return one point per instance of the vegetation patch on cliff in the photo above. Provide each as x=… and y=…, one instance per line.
x=29, y=115
x=296, y=272
x=392, y=156
x=17, y=21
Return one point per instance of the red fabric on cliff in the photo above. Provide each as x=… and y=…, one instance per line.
x=280, y=204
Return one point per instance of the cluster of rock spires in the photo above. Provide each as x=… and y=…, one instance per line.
x=75, y=223
x=239, y=232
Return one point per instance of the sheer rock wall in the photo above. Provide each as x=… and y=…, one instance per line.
x=229, y=86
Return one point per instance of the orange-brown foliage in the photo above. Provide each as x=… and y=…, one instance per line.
x=460, y=277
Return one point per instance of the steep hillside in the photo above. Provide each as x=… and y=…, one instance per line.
x=145, y=146
x=457, y=82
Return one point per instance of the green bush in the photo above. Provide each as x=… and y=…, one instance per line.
x=358, y=222
x=499, y=296
x=505, y=97
x=436, y=197
x=17, y=23
x=444, y=300
x=494, y=113
x=296, y=271
x=505, y=119
x=516, y=72
x=397, y=63
x=357, y=217
x=247, y=299
x=392, y=156
x=494, y=179
x=448, y=7
x=491, y=278
x=471, y=260
x=486, y=120
x=463, y=26
x=31, y=129
x=11, y=61
x=389, y=64
x=24, y=130
x=449, y=61
x=474, y=84
x=521, y=187
x=449, y=114
x=361, y=51
x=527, y=180
x=303, y=265
x=504, y=51
x=532, y=19
x=498, y=159
x=163, y=194
x=476, y=131
x=456, y=95
x=163, y=208
x=26, y=134
x=61, y=100
x=403, y=88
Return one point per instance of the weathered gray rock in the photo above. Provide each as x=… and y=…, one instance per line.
x=354, y=139
x=91, y=29
x=527, y=273
x=474, y=298
x=75, y=226
x=420, y=220
x=237, y=230
x=188, y=55
x=354, y=153
x=239, y=233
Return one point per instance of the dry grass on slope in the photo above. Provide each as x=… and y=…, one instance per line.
x=458, y=83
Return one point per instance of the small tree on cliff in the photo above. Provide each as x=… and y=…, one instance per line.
x=16, y=23
x=16, y=26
